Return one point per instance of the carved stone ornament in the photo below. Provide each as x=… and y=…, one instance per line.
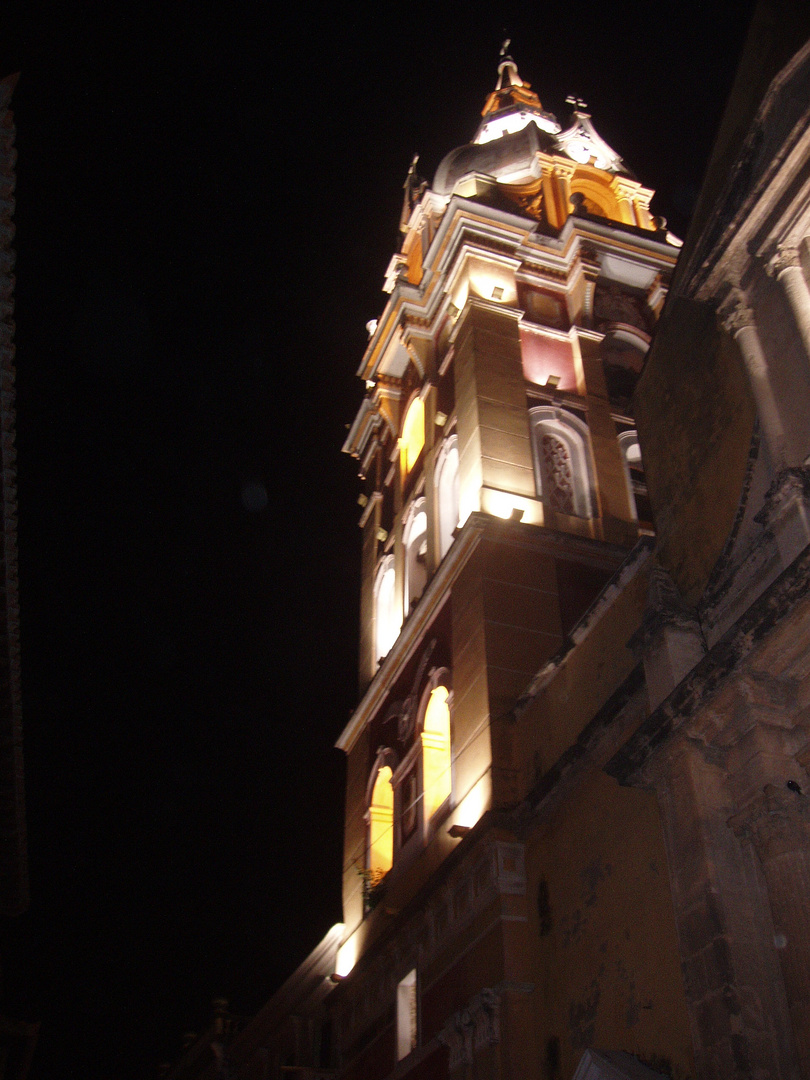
x=785, y=258
x=736, y=317
x=612, y=305
x=664, y=609
x=776, y=822
x=473, y=1028
x=789, y=486
x=558, y=474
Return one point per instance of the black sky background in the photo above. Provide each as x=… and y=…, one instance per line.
x=207, y=199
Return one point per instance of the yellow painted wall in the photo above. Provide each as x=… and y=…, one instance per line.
x=591, y=673
x=607, y=959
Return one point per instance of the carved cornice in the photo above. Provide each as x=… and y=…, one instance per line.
x=709, y=676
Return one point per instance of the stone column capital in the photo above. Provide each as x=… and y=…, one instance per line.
x=564, y=169
x=776, y=821
x=736, y=316
x=783, y=259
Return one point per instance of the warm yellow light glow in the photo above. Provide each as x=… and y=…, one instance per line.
x=475, y=803
x=413, y=435
x=347, y=956
x=381, y=825
x=502, y=503
x=436, y=761
x=387, y=612
x=493, y=284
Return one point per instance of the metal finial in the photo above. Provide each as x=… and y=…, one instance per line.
x=505, y=47
x=576, y=102
x=412, y=169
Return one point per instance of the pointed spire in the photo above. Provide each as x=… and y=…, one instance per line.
x=507, y=68
x=511, y=92
x=413, y=187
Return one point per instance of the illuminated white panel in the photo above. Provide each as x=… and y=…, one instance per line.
x=475, y=803
x=511, y=122
x=387, y=613
x=407, y=1013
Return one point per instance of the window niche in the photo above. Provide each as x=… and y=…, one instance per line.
x=562, y=461
x=387, y=612
x=380, y=800
x=413, y=435
x=436, y=744
x=415, y=544
x=447, y=492
x=633, y=467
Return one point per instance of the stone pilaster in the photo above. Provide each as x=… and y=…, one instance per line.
x=734, y=990
x=669, y=641
x=786, y=513
x=776, y=823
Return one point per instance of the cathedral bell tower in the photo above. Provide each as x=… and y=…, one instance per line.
x=503, y=483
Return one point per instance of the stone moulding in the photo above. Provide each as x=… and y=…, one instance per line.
x=708, y=676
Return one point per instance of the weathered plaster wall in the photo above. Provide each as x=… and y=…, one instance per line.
x=695, y=417
x=607, y=960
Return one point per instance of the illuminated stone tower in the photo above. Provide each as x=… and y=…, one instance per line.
x=504, y=487
x=577, y=840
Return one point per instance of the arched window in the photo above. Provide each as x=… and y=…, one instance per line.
x=447, y=492
x=413, y=435
x=415, y=543
x=381, y=826
x=437, y=774
x=562, y=461
x=387, y=613
x=633, y=468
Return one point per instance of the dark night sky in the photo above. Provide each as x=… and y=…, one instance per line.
x=207, y=199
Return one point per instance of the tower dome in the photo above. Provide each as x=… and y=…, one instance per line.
x=514, y=128
x=521, y=155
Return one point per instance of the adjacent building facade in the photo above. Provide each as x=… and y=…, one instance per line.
x=577, y=828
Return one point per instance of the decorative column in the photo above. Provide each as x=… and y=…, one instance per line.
x=777, y=824
x=786, y=268
x=563, y=173
x=625, y=191
x=738, y=319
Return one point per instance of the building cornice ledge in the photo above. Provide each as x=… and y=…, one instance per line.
x=415, y=626
x=706, y=679
x=635, y=562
